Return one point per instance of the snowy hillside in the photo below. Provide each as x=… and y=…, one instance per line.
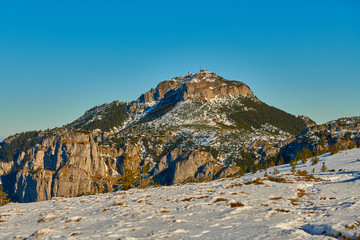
x=290, y=206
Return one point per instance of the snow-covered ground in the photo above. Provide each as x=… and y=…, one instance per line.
x=221, y=209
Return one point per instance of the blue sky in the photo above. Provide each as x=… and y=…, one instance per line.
x=60, y=58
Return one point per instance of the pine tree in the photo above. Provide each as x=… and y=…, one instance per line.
x=130, y=178
x=281, y=161
x=3, y=197
x=272, y=164
x=323, y=167
x=315, y=160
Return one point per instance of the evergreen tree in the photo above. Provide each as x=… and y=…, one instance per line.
x=315, y=160
x=281, y=161
x=3, y=197
x=130, y=178
x=323, y=167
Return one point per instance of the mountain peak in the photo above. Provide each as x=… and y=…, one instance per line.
x=199, y=86
x=203, y=75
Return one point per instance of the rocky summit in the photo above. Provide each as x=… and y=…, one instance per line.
x=196, y=127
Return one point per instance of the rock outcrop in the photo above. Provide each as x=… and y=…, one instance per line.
x=202, y=85
x=60, y=166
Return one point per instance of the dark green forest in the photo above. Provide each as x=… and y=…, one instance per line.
x=262, y=114
x=24, y=141
x=114, y=116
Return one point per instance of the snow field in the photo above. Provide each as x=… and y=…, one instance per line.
x=220, y=209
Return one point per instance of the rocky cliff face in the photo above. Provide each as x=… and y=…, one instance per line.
x=72, y=164
x=194, y=127
x=62, y=165
x=200, y=86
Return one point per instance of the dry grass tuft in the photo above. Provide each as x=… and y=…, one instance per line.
x=355, y=225
x=187, y=199
x=275, y=198
x=118, y=203
x=220, y=200
x=309, y=178
x=294, y=201
x=77, y=219
x=257, y=181
x=301, y=193
x=236, y=204
x=234, y=185
x=202, y=197
x=191, y=198
x=302, y=173
x=310, y=212
x=282, y=210
x=47, y=218
x=278, y=179
x=41, y=232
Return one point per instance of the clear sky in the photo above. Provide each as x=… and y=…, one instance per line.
x=60, y=58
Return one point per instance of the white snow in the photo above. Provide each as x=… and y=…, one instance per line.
x=220, y=209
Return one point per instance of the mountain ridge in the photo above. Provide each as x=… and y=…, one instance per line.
x=195, y=127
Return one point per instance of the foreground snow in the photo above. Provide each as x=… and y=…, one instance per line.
x=222, y=209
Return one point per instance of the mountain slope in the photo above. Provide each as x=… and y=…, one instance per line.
x=320, y=207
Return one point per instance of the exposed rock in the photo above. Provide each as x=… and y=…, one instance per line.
x=62, y=166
